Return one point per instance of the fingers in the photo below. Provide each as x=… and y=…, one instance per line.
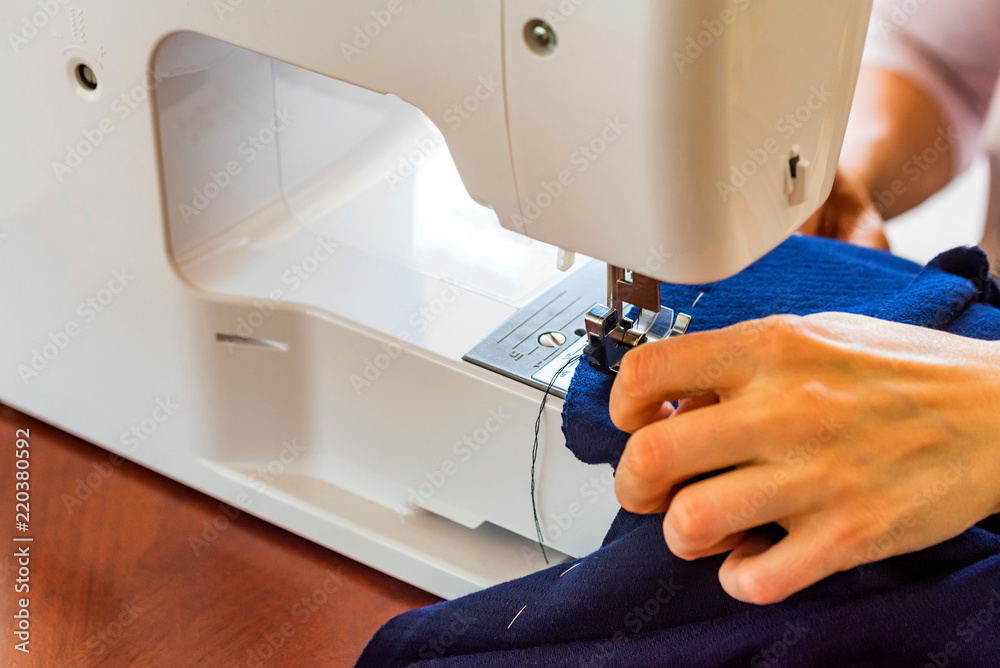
x=694, y=403
x=669, y=452
x=868, y=231
x=763, y=573
x=708, y=513
x=848, y=215
x=854, y=224
x=666, y=411
x=686, y=366
x=728, y=544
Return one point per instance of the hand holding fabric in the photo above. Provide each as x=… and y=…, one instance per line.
x=863, y=439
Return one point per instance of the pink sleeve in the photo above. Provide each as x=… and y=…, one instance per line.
x=952, y=49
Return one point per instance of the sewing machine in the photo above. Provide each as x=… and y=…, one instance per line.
x=303, y=256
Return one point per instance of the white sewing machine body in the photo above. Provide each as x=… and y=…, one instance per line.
x=238, y=262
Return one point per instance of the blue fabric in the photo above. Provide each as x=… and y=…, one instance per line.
x=632, y=603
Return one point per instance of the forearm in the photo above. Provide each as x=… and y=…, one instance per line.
x=898, y=145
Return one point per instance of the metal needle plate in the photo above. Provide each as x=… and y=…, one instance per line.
x=524, y=346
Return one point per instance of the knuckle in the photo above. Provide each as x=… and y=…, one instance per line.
x=785, y=328
x=816, y=396
x=790, y=338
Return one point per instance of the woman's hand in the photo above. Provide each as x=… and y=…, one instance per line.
x=864, y=439
x=848, y=215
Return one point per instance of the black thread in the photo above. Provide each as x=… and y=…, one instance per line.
x=534, y=451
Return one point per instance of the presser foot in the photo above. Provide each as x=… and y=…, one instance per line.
x=611, y=333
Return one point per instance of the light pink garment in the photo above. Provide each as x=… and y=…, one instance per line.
x=951, y=48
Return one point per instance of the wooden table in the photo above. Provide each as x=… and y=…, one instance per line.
x=117, y=581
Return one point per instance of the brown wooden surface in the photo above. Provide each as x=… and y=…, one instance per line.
x=115, y=580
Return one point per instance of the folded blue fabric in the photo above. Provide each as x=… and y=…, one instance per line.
x=632, y=603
